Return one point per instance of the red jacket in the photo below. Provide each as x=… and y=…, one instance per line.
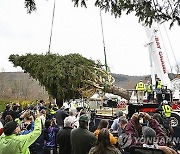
x=1, y=131
x=131, y=131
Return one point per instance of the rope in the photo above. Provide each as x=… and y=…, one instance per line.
x=51, y=27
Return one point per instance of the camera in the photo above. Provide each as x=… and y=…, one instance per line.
x=141, y=115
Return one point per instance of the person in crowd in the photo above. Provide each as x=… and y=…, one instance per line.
x=7, y=119
x=158, y=89
x=104, y=124
x=41, y=105
x=72, y=116
x=158, y=85
x=28, y=125
x=134, y=128
x=43, y=116
x=63, y=136
x=122, y=125
x=103, y=145
x=11, y=143
x=166, y=113
x=7, y=111
x=50, y=133
x=149, y=92
x=52, y=110
x=165, y=110
x=26, y=120
x=159, y=118
x=115, y=124
x=81, y=138
x=140, y=88
x=15, y=110
x=149, y=136
x=60, y=115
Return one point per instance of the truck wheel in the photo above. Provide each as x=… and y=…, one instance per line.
x=175, y=120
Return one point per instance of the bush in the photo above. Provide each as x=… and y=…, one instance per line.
x=22, y=103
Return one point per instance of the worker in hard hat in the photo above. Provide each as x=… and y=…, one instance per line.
x=158, y=88
x=158, y=84
x=166, y=110
x=149, y=92
x=140, y=88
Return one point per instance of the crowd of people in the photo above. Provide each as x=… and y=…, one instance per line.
x=42, y=129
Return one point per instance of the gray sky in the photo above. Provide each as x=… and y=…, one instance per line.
x=78, y=30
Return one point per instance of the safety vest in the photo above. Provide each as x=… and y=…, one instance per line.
x=52, y=111
x=149, y=89
x=159, y=86
x=140, y=86
x=166, y=110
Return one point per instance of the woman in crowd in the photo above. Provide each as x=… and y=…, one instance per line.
x=50, y=136
x=103, y=145
x=104, y=124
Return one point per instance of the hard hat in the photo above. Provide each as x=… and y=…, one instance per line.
x=165, y=102
x=140, y=80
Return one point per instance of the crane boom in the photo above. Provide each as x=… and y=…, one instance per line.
x=157, y=61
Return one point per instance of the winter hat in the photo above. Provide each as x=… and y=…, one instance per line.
x=119, y=113
x=148, y=132
x=10, y=127
x=84, y=117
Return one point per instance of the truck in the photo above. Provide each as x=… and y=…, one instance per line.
x=170, y=90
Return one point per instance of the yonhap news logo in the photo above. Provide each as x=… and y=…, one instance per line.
x=124, y=140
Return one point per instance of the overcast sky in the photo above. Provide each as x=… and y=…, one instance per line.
x=78, y=30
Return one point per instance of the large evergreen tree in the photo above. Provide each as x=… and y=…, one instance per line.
x=147, y=11
x=69, y=76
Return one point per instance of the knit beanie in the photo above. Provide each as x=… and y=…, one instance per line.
x=10, y=127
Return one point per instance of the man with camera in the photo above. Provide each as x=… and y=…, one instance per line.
x=134, y=128
x=12, y=143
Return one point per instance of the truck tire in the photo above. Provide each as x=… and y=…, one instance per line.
x=175, y=120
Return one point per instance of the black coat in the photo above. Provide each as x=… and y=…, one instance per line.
x=60, y=115
x=82, y=140
x=63, y=140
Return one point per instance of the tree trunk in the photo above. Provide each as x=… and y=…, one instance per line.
x=118, y=91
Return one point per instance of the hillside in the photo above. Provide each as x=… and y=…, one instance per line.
x=19, y=85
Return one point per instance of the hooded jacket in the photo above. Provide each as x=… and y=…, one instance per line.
x=19, y=144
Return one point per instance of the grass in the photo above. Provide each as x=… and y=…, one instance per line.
x=3, y=104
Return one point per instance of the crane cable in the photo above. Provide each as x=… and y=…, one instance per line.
x=103, y=42
x=106, y=67
x=171, y=49
x=51, y=28
x=165, y=48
